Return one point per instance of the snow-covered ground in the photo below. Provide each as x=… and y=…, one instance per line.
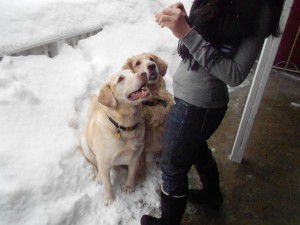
x=44, y=179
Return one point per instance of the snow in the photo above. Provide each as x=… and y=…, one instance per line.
x=44, y=178
x=30, y=21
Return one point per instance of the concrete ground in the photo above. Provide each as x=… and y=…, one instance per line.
x=265, y=188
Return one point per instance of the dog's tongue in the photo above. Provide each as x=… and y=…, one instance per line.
x=137, y=94
x=153, y=76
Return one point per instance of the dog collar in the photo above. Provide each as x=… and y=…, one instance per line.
x=120, y=127
x=155, y=102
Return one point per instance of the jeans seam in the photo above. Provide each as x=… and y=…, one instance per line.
x=203, y=123
x=184, y=119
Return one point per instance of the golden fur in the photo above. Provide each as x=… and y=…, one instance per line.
x=155, y=116
x=120, y=98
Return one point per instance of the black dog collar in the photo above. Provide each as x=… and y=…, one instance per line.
x=120, y=127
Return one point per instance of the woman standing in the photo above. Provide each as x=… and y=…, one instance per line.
x=218, y=43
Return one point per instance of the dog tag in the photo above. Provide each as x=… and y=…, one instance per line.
x=117, y=135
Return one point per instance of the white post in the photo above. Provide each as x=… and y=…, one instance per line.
x=261, y=76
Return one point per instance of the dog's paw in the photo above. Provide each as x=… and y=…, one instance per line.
x=128, y=189
x=109, y=201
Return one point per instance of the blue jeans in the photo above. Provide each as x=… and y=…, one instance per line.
x=185, y=143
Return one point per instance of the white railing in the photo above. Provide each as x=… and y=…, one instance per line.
x=50, y=47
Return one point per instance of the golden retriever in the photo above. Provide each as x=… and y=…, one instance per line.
x=156, y=109
x=115, y=131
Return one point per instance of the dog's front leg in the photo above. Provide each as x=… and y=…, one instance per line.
x=132, y=169
x=105, y=176
x=141, y=171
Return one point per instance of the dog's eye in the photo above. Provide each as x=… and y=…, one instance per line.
x=151, y=59
x=121, y=78
x=138, y=63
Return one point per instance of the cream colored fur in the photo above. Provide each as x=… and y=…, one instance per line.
x=98, y=142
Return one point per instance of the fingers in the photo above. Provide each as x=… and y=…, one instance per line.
x=164, y=21
x=168, y=15
x=175, y=18
x=178, y=5
x=170, y=11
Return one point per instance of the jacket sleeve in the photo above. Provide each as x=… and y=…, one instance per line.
x=232, y=71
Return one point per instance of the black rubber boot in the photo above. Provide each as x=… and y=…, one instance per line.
x=172, y=210
x=210, y=194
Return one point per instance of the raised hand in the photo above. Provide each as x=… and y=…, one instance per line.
x=175, y=18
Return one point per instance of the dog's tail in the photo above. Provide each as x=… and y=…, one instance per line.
x=89, y=155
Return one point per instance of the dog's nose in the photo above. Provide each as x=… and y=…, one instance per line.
x=151, y=67
x=143, y=76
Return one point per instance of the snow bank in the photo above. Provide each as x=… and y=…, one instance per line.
x=24, y=22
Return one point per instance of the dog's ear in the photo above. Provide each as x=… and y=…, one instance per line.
x=162, y=65
x=128, y=65
x=106, y=96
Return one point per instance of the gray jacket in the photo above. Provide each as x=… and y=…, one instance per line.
x=207, y=87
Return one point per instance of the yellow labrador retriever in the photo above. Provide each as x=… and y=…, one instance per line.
x=115, y=132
